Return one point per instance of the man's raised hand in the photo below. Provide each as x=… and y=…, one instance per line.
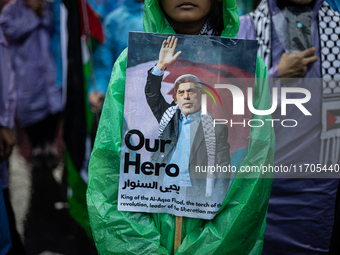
x=167, y=53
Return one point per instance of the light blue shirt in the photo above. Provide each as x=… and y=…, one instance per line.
x=181, y=153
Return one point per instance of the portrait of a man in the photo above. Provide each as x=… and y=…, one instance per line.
x=195, y=141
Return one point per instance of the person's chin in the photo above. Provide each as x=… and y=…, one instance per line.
x=186, y=111
x=187, y=16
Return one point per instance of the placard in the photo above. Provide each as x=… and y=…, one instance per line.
x=183, y=137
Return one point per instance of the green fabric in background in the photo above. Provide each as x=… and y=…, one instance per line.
x=77, y=200
x=239, y=226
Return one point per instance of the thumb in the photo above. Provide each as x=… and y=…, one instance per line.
x=177, y=55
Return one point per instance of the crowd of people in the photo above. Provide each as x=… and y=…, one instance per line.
x=33, y=86
x=296, y=39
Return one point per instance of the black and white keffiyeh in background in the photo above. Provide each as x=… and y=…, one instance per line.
x=329, y=31
x=329, y=28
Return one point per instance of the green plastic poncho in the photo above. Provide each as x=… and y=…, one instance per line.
x=238, y=228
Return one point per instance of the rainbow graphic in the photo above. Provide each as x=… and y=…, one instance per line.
x=209, y=93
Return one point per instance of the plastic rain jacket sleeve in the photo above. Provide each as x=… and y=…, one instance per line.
x=238, y=228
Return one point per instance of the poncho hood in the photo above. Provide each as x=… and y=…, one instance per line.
x=156, y=22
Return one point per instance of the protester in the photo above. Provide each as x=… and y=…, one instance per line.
x=239, y=225
x=300, y=213
x=104, y=7
x=117, y=25
x=7, y=112
x=28, y=26
x=6, y=138
x=7, y=100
